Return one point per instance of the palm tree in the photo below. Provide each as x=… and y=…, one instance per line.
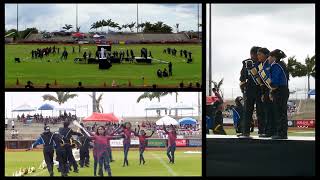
x=217, y=86
x=98, y=102
x=152, y=95
x=67, y=27
x=131, y=26
x=61, y=98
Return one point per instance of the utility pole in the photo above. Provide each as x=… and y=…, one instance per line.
x=94, y=103
x=210, y=65
x=137, y=18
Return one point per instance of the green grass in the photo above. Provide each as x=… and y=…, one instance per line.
x=185, y=164
x=68, y=73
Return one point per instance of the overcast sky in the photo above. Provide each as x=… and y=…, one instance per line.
x=123, y=104
x=238, y=27
x=52, y=17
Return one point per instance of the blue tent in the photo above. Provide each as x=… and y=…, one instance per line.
x=46, y=107
x=312, y=92
x=187, y=120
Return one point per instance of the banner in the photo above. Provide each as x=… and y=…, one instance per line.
x=195, y=142
x=156, y=142
x=305, y=123
x=181, y=142
x=119, y=143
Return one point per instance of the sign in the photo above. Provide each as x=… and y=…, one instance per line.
x=305, y=123
x=195, y=142
x=156, y=142
x=119, y=142
x=181, y=142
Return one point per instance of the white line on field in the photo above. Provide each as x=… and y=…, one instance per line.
x=165, y=165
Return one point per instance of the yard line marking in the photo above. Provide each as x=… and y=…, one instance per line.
x=165, y=165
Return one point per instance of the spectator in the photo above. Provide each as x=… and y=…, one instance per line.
x=6, y=123
x=12, y=124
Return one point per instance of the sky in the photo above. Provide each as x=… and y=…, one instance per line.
x=52, y=17
x=123, y=104
x=238, y=27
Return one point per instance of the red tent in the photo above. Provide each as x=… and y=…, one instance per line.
x=78, y=34
x=101, y=117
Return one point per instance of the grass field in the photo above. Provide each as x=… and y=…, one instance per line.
x=68, y=73
x=156, y=164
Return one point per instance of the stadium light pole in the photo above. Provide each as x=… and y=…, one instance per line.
x=17, y=19
x=198, y=23
x=137, y=17
x=94, y=103
x=210, y=65
x=77, y=17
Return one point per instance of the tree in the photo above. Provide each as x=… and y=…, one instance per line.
x=61, y=97
x=152, y=95
x=131, y=25
x=94, y=26
x=177, y=27
x=98, y=102
x=297, y=69
x=217, y=86
x=67, y=27
x=157, y=27
x=78, y=29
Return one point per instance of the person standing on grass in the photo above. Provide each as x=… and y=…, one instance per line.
x=172, y=136
x=126, y=132
x=100, y=153
x=142, y=142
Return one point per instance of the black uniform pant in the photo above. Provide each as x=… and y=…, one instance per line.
x=84, y=156
x=62, y=159
x=268, y=116
x=70, y=157
x=250, y=99
x=279, y=107
x=48, y=158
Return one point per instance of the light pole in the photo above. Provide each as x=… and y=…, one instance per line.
x=17, y=20
x=77, y=17
x=137, y=17
x=210, y=68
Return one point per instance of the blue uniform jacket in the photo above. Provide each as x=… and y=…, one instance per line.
x=278, y=76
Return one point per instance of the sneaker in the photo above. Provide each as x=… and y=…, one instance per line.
x=279, y=137
x=245, y=136
x=264, y=135
x=76, y=171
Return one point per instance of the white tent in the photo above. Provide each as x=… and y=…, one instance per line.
x=24, y=108
x=96, y=36
x=167, y=120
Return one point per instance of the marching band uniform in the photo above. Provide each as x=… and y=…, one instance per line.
x=279, y=93
x=249, y=84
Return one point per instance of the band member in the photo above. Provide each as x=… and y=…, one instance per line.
x=142, y=143
x=172, y=136
x=264, y=124
x=237, y=112
x=279, y=93
x=170, y=68
x=61, y=154
x=249, y=85
x=67, y=133
x=84, y=149
x=46, y=138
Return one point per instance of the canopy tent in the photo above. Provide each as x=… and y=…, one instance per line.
x=23, y=108
x=187, y=120
x=156, y=107
x=101, y=117
x=312, y=92
x=181, y=107
x=96, y=36
x=46, y=107
x=166, y=120
x=78, y=34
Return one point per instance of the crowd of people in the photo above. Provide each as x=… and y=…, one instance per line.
x=38, y=118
